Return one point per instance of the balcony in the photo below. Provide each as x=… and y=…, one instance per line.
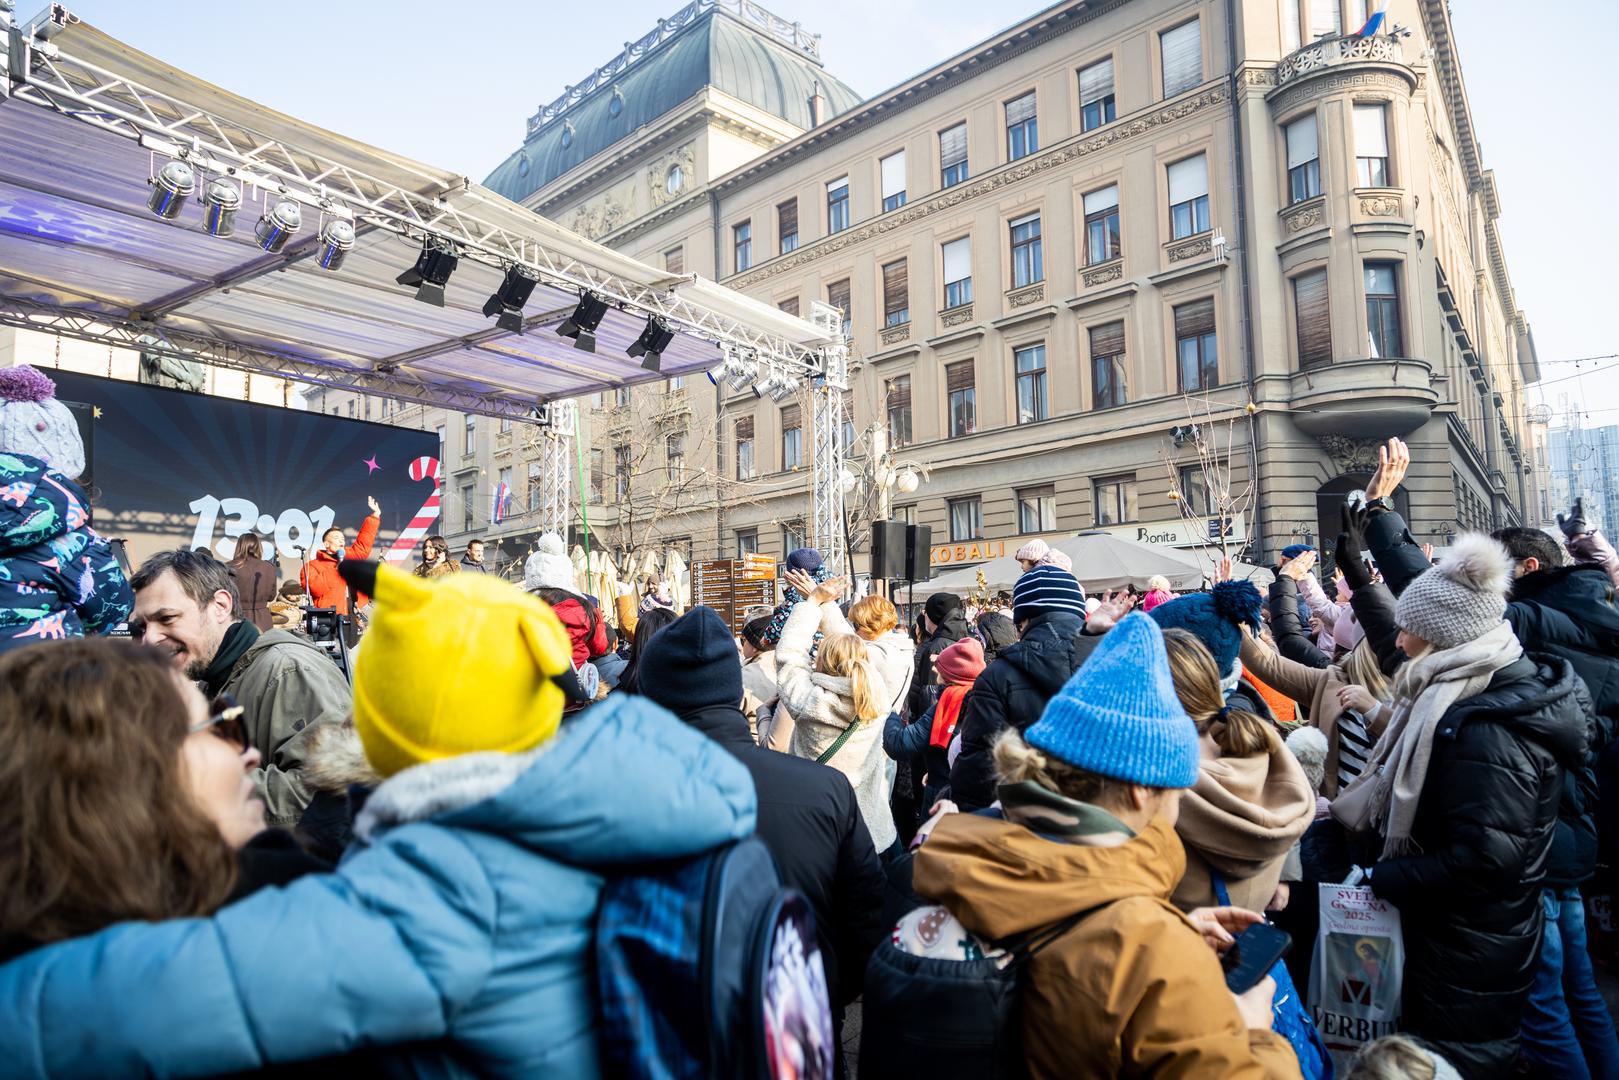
x=1326, y=54
x=1375, y=398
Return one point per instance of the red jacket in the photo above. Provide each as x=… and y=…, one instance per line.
x=321, y=581
x=585, y=628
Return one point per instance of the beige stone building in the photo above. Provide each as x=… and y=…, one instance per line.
x=1058, y=251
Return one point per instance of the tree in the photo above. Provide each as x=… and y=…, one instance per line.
x=1215, y=503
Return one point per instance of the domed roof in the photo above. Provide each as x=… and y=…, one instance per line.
x=714, y=50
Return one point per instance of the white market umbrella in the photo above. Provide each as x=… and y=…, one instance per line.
x=1101, y=560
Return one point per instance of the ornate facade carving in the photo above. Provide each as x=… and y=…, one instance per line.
x=893, y=335
x=1029, y=294
x=1103, y=274
x=657, y=174
x=1304, y=217
x=1330, y=52
x=1196, y=247
x=1380, y=205
x=1287, y=97
x=956, y=316
x=1259, y=77
x=601, y=215
x=984, y=185
x=1350, y=455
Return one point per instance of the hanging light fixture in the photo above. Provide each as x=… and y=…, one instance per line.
x=336, y=238
x=581, y=325
x=171, y=187
x=432, y=271
x=221, y=199
x=508, y=300
x=740, y=370
x=653, y=340
x=279, y=222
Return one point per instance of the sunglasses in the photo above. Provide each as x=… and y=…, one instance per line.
x=225, y=722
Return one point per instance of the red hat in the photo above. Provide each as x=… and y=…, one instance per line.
x=961, y=663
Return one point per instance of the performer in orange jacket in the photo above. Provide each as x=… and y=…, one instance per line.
x=320, y=578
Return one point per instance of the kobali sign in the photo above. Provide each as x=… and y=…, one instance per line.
x=1177, y=534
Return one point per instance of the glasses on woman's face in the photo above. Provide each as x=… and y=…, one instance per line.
x=225, y=722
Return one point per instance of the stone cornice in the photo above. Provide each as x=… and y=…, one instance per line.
x=951, y=197
x=1394, y=78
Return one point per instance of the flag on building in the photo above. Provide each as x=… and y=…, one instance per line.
x=1374, y=24
x=500, y=503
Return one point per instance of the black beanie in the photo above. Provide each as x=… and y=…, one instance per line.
x=692, y=663
x=942, y=605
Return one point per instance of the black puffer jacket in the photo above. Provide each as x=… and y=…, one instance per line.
x=1470, y=902
x=996, y=632
x=1013, y=691
x=946, y=634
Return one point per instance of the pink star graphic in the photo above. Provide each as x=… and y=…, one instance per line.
x=371, y=464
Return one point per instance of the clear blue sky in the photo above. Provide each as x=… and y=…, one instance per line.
x=452, y=84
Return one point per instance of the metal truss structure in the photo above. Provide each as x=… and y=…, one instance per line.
x=555, y=444
x=827, y=532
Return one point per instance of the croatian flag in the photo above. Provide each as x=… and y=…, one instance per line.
x=501, y=503
x=1374, y=25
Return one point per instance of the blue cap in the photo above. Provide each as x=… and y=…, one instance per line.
x=1215, y=618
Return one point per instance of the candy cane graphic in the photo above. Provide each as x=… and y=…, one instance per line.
x=423, y=468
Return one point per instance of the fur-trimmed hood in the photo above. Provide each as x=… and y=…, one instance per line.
x=336, y=761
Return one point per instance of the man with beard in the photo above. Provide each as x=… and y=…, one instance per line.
x=186, y=604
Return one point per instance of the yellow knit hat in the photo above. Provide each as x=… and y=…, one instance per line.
x=454, y=665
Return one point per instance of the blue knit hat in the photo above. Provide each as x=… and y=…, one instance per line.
x=1044, y=590
x=1119, y=715
x=1215, y=618
x=805, y=559
x=1293, y=551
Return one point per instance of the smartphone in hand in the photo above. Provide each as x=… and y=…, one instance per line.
x=1256, y=951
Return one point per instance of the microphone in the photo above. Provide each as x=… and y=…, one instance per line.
x=342, y=553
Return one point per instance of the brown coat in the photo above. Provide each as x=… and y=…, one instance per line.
x=1241, y=818
x=1133, y=990
x=255, y=587
x=1318, y=686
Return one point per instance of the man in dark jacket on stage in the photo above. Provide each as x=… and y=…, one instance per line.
x=808, y=817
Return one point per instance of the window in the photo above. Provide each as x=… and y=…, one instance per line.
x=1022, y=135
x=966, y=518
x=848, y=421
x=837, y=294
x=1037, y=509
x=837, y=205
x=789, y=305
x=440, y=431
x=674, y=455
x=676, y=382
x=897, y=405
x=674, y=260
x=621, y=397
x=1096, y=95
x=1303, y=160
x=744, y=449
x=957, y=257
x=792, y=538
x=470, y=445
x=1028, y=266
x=896, y=295
x=792, y=437
x=1383, y=309
x=1107, y=365
x=1189, y=197
x=354, y=410
x=1324, y=19
x=1292, y=30
x=1115, y=500
x=893, y=170
x=787, y=225
x=1371, y=146
x=534, y=485
x=953, y=155
x=1194, y=491
x=1030, y=362
x=505, y=425
x=1197, y=356
x=963, y=398
x=742, y=244
x=904, y=514
x=506, y=478
x=622, y=466
x=1103, y=241
x=1311, y=312
x=468, y=502
x=598, y=474
x=1181, y=50
x=747, y=542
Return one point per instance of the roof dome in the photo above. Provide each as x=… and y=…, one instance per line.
x=715, y=49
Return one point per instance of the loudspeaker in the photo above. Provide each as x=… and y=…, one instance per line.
x=918, y=548
x=888, y=552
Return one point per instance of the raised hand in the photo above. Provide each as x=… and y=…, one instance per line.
x=1114, y=606
x=1351, y=550
x=372, y=503
x=1393, y=461
x=800, y=580
x=1298, y=566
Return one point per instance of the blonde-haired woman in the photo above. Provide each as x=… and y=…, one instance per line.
x=874, y=620
x=838, y=705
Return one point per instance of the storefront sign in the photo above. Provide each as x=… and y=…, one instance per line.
x=1177, y=533
x=972, y=551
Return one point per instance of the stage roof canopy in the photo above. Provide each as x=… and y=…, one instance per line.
x=86, y=122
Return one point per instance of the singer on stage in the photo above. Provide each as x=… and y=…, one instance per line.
x=325, y=588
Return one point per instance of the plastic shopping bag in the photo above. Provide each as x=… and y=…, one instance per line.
x=1355, y=979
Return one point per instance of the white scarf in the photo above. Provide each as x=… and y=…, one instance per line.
x=1385, y=796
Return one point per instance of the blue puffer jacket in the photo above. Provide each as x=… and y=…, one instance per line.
x=58, y=579
x=462, y=923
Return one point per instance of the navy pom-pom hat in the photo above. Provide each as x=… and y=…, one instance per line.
x=1216, y=618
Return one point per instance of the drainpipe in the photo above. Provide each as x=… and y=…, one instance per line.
x=719, y=395
x=1240, y=168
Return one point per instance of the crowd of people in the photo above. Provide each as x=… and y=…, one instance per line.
x=224, y=854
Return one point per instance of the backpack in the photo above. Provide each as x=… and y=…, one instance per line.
x=942, y=1017
x=709, y=968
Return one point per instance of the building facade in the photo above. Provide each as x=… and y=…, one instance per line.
x=1129, y=264
x=1585, y=465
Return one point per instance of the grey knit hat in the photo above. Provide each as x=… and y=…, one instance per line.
x=1461, y=597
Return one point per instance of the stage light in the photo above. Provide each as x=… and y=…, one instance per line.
x=740, y=371
x=582, y=324
x=432, y=271
x=336, y=238
x=220, y=201
x=780, y=387
x=273, y=229
x=171, y=187
x=653, y=340
x=515, y=289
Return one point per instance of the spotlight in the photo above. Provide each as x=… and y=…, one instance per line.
x=653, y=340
x=336, y=237
x=432, y=270
x=220, y=201
x=171, y=187
x=273, y=229
x=740, y=371
x=515, y=289
x=780, y=387
x=582, y=324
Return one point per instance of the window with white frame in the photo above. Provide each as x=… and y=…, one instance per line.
x=1194, y=491
x=837, y=295
x=1103, y=241
x=470, y=446
x=1022, y=132
x=1028, y=264
x=745, y=468
x=897, y=408
x=1096, y=100
x=953, y=155
x=961, y=398
x=1371, y=146
x=1196, y=348
x=747, y=542
x=1383, y=308
x=742, y=245
x=598, y=474
x=1115, y=500
x=468, y=505
x=674, y=455
x=1189, y=197
x=1037, y=509
x=1108, y=388
x=1029, y=364
x=837, y=205
x=623, y=465
x=892, y=168
x=957, y=257
x=966, y=518
x=792, y=437
x=535, y=487
x=1181, y=50
x=1303, y=160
